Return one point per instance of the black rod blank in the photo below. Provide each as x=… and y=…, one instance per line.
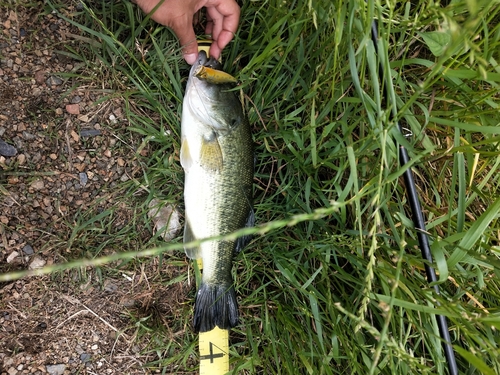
x=418, y=218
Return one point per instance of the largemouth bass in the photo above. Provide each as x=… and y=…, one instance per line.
x=218, y=160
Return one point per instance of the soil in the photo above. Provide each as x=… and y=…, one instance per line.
x=65, y=152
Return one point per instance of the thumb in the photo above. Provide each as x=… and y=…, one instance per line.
x=187, y=39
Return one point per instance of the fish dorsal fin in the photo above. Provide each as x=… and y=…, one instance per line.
x=186, y=160
x=191, y=252
x=211, y=154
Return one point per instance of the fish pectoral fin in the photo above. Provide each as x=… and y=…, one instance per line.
x=211, y=154
x=191, y=252
x=245, y=240
x=186, y=160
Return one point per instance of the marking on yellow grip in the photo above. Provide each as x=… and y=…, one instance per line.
x=214, y=352
x=204, y=45
x=213, y=345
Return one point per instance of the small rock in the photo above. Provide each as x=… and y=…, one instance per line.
x=73, y=109
x=18, y=142
x=37, y=184
x=110, y=286
x=22, y=32
x=36, y=263
x=59, y=111
x=76, y=99
x=21, y=159
x=80, y=166
x=6, y=149
x=9, y=360
x=13, y=180
x=85, y=357
x=126, y=302
x=12, y=256
x=84, y=118
x=54, y=81
x=40, y=76
x=53, y=156
x=107, y=153
x=112, y=118
x=56, y=369
x=28, y=250
x=89, y=132
x=12, y=371
x=28, y=136
x=165, y=219
x=83, y=178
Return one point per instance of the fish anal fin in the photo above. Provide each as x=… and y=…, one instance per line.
x=191, y=252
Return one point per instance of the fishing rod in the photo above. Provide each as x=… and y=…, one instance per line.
x=417, y=215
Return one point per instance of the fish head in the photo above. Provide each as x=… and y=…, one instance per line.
x=209, y=96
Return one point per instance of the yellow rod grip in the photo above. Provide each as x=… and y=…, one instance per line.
x=214, y=352
x=213, y=345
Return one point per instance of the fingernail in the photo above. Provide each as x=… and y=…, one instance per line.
x=190, y=58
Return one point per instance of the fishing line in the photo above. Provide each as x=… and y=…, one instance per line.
x=417, y=214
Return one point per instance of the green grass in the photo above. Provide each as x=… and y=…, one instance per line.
x=333, y=282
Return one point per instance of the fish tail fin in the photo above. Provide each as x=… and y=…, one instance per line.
x=215, y=305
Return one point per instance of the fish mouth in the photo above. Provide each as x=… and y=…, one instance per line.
x=203, y=60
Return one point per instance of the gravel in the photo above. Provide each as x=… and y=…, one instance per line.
x=58, y=168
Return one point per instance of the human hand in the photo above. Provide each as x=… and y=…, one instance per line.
x=222, y=16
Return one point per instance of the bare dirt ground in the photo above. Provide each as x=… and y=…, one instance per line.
x=63, y=152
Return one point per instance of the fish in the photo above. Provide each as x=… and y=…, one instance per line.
x=217, y=155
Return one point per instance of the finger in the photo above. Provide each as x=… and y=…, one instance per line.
x=230, y=12
x=225, y=18
x=216, y=20
x=209, y=26
x=187, y=39
x=215, y=50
